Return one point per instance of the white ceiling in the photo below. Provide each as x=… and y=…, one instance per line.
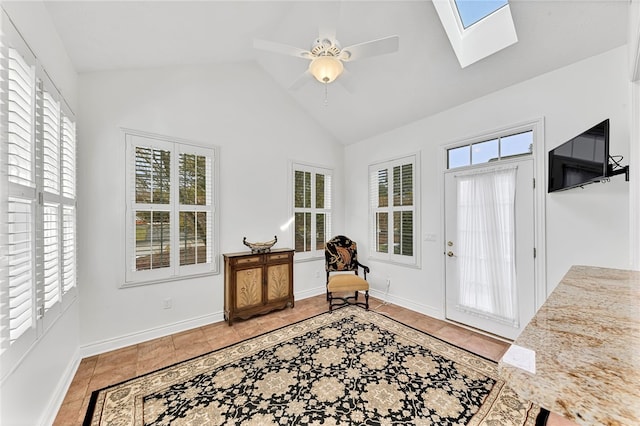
x=421, y=79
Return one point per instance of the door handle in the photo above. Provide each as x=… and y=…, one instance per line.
x=450, y=254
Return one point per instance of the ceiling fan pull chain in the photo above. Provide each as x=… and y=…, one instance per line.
x=326, y=99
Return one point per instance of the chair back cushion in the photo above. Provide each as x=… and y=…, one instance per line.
x=341, y=254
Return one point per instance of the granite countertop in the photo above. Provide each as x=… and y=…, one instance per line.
x=586, y=339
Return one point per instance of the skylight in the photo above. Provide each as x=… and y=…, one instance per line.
x=476, y=28
x=472, y=11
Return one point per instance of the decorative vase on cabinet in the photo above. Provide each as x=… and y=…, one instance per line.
x=257, y=283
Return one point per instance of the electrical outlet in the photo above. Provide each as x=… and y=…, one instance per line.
x=167, y=303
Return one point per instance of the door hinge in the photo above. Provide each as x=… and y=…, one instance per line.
x=40, y=198
x=534, y=183
x=535, y=252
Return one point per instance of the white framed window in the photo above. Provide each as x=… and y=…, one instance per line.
x=394, y=216
x=311, y=205
x=171, y=229
x=37, y=200
x=504, y=146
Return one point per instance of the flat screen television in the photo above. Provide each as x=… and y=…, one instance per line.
x=581, y=160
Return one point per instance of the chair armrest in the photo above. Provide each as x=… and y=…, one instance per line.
x=365, y=268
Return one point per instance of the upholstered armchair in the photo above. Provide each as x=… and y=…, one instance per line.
x=341, y=265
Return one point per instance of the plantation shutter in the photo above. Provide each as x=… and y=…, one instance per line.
x=150, y=194
x=21, y=267
x=171, y=216
x=51, y=255
x=393, y=206
x=68, y=165
x=49, y=123
x=379, y=200
x=21, y=189
x=68, y=248
x=51, y=146
x=403, y=209
x=68, y=219
x=312, y=193
x=37, y=200
x=195, y=170
x=302, y=206
x=323, y=207
x=21, y=103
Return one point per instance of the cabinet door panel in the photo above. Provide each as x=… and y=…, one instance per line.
x=248, y=287
x=277, y=281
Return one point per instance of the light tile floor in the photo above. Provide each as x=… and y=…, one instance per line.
x=112, y=367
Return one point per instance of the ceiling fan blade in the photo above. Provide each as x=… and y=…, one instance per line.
x=370, y=48
x=304, y=79
x=284, y=49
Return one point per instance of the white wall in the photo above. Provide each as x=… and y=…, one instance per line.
x=588, y=226
x=258, y=129
x=634, y=163
x=34, y=23
x=31, y=394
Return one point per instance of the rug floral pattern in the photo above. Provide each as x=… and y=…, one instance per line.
x=348, y=367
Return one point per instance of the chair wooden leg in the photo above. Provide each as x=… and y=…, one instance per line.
x=366, y=299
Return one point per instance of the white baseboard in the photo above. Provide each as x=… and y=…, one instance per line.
x=409, y=304
x=379, y=294
x=154, y=333
x=150, y=334
x=51, y=411
x=310, y=293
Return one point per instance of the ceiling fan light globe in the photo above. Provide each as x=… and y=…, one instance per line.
x=326, y=69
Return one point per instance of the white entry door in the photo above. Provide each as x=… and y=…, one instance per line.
x=489, y=247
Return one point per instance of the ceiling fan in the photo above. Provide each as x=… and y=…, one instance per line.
x=327, y=56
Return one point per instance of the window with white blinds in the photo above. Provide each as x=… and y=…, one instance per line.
x=68, y=248
x=51, y=255
x=393, y=194
x=311, y=209
x=20, y=281
x=37, y=200
x=20, y=202
x=68, y=158
x=51, y=145
x=21, y=117
x=171, y=215
x=67, y=223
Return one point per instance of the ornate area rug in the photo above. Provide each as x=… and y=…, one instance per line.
x=347, y=367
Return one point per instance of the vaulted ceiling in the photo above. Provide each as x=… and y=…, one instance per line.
x=421, y=79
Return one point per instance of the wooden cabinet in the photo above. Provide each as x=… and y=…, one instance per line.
x=256, y=283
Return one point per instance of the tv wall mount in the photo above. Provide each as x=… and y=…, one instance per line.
x=615, y=168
